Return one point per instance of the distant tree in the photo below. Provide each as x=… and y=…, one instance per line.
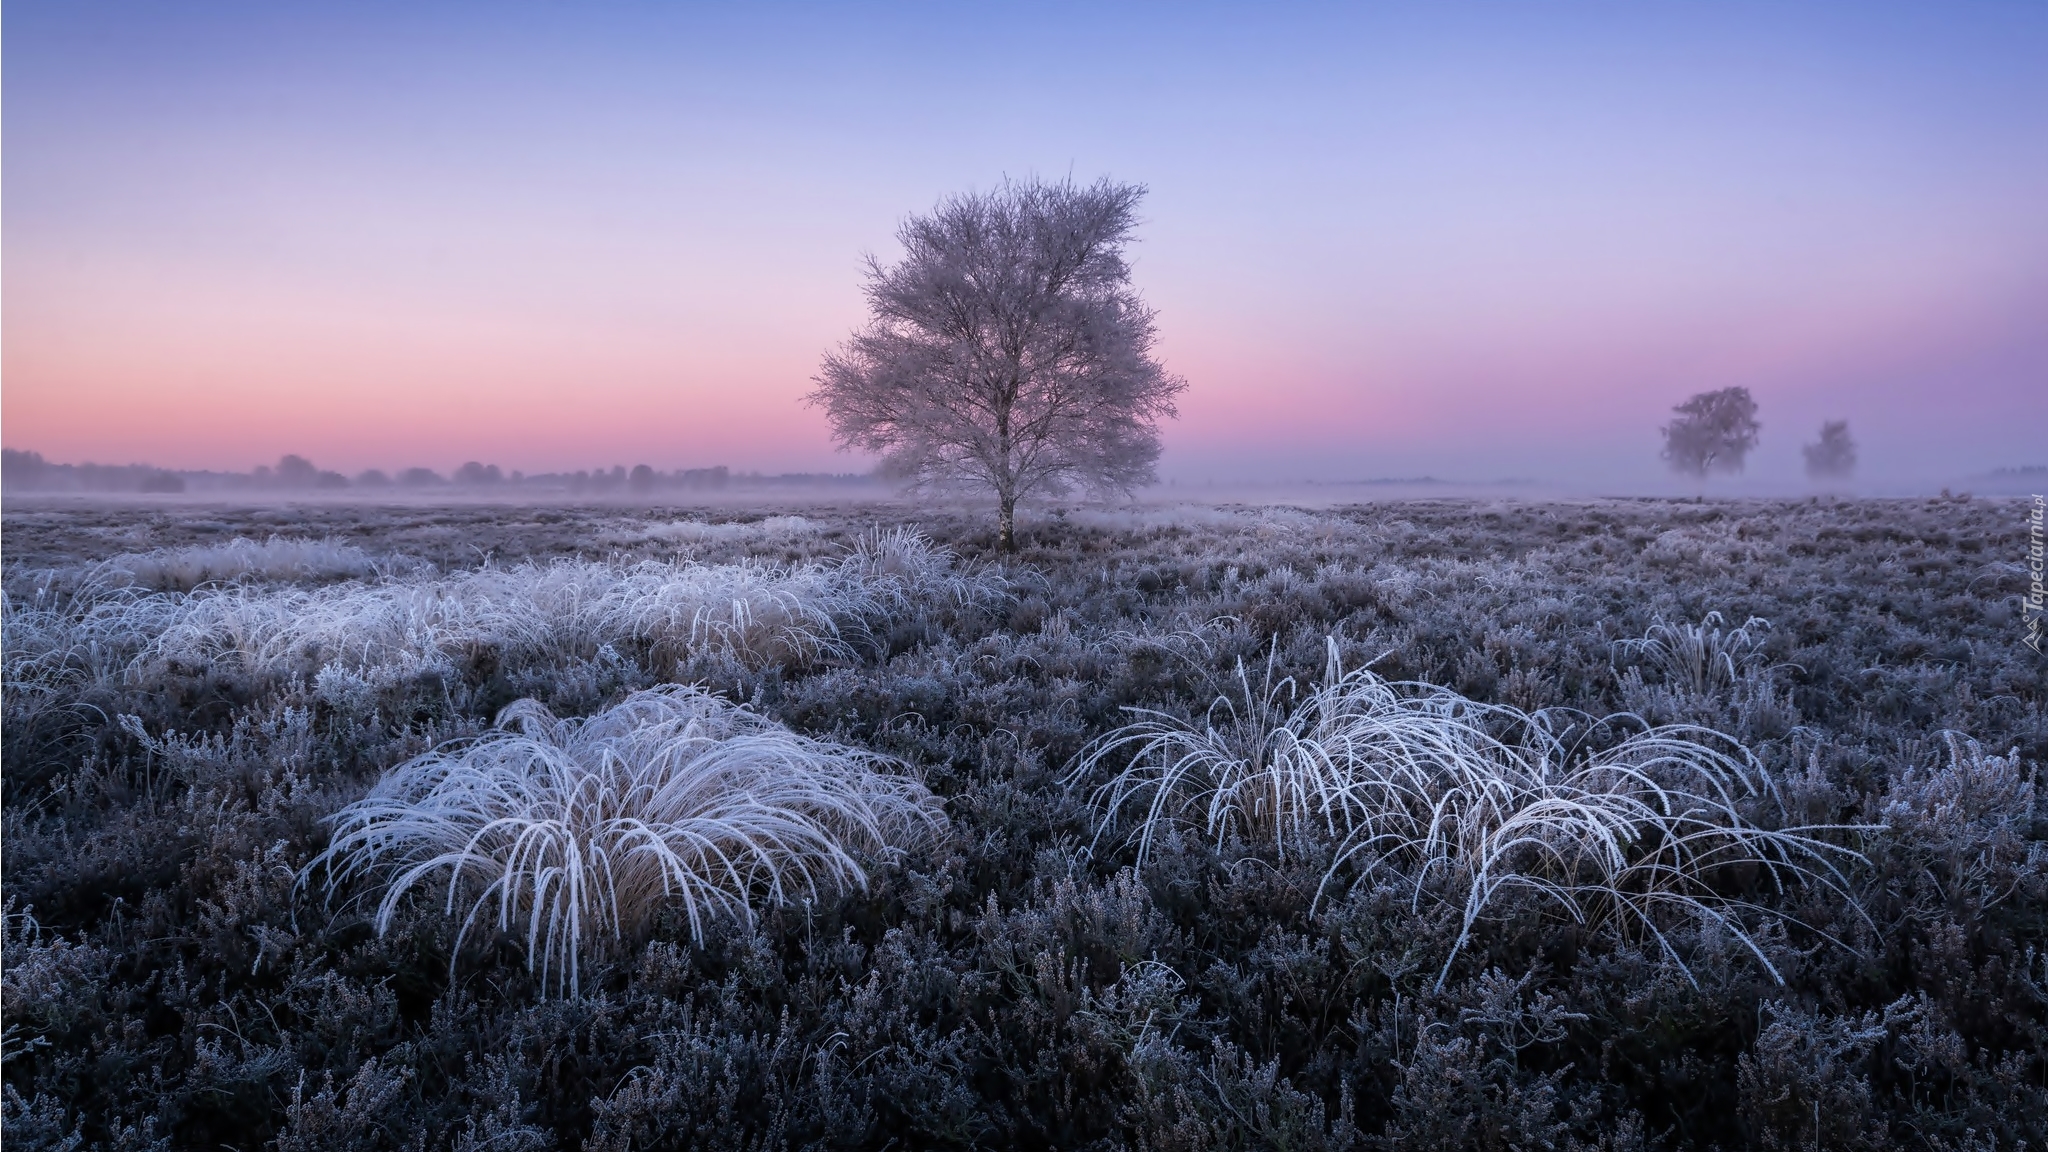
x=420, y=478
x=475, y=473
x=1007, y=350
x=372, y=478
x=642, y=478
x=163, y=482
x=1713, y=433
x=297, y=472
x=1833, y=456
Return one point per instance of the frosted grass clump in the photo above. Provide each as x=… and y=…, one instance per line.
x=1698, y=659
x=755, y=613
x=1148, y=518
x=278, y=558
x=573, y=834
x=1413, y=778
x=906, y=571
x=688, y=532
x=62, y=641
x=1706, y=672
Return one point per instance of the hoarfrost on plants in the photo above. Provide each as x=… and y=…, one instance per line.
x=572, y=833
x=1431, y=823
x=1421, y=781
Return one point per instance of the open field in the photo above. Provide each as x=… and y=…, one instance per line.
x=1420, y=824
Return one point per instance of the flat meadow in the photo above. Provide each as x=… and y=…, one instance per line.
x=1421, y=824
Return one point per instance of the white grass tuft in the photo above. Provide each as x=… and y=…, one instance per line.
x=573, y=834
x=1698, y=659
x=278, y=558
x=1422, y=781
x=906, y=571
x=64, y=639
x=693, y=532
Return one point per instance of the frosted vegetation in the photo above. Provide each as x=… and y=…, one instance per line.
x=1418, y=782
x=352, y=639
x=1428, y=824
x=277, y=558
x=577, y=832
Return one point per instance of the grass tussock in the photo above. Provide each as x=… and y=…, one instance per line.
x=1420, y=781
x=1698, y=659
x=695, y=533
x=571, y=834
x=277, y=558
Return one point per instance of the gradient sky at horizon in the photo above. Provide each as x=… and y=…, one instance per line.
x=1463, y=240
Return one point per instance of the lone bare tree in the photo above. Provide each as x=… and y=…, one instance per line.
x=1713, y=433
x=1007, y=350
x=1833, y=456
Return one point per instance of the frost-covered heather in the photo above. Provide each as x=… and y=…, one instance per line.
x=1416, y=780
x=756, y=614
x=1439, y=906
x=571, y=834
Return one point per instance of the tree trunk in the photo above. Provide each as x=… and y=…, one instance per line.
x=1006, y=523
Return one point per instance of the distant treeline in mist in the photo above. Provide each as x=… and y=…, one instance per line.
x=24, y=471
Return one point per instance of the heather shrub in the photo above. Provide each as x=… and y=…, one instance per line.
x=1032, y=974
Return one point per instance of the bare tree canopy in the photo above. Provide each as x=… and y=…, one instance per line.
x=1713, y=433
x=1833, y=456
x=1007, y=350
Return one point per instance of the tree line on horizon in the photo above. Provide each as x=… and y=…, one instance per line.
x=22, y=470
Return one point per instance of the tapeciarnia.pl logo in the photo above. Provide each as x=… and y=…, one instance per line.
x=2037, y=569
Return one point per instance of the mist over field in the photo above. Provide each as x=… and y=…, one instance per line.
x=29, y=477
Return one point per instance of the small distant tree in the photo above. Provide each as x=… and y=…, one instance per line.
x=1007, y=350
x=1713, y=433
x=1833, y=456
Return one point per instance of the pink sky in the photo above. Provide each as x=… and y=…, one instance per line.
x=1428, y=246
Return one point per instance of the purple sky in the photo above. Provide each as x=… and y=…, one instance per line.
x=1470, y=241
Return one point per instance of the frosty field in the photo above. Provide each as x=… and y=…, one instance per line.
x=1421, y=824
